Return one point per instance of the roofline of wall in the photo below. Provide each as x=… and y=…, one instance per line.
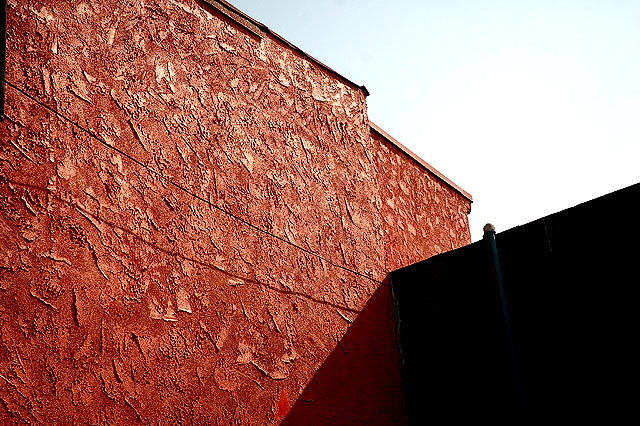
x=230, y=10
x=420, y=161
x=236, y=15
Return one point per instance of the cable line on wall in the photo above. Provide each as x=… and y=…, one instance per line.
x=152, y=171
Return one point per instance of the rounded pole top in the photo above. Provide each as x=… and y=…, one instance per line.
x=489, y=228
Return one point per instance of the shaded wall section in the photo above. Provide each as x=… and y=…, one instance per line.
x=568, y=279
x=360, y=381
x=192, y=215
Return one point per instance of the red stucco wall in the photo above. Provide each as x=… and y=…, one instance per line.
x=137, y=284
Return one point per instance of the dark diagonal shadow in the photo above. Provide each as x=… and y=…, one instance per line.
x=360, y=382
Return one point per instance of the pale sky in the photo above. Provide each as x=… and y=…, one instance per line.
x=530, y=106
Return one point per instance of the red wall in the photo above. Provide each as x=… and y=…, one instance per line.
x=146, y=148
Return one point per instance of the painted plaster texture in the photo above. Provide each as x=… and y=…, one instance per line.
x=194, y=218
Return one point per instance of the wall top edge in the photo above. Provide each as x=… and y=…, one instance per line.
x=420, y=161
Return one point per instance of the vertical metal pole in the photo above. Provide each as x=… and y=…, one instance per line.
x=490, y=238
x=3, y=52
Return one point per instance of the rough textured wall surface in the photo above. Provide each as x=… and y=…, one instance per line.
x=421, y=215
x=150, y=149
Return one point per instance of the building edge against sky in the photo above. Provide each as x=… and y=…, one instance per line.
x=527, y=105
x=240, y=17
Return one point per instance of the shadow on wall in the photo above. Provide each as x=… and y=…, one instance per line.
x=360, y=382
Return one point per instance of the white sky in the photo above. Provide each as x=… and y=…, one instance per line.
x=530, y=106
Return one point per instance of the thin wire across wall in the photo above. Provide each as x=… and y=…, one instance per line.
x=152, y=171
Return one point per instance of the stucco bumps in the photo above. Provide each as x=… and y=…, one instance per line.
x=423, y=215
x=128, y=300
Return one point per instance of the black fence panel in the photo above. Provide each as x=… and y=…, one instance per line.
x=570, y=281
